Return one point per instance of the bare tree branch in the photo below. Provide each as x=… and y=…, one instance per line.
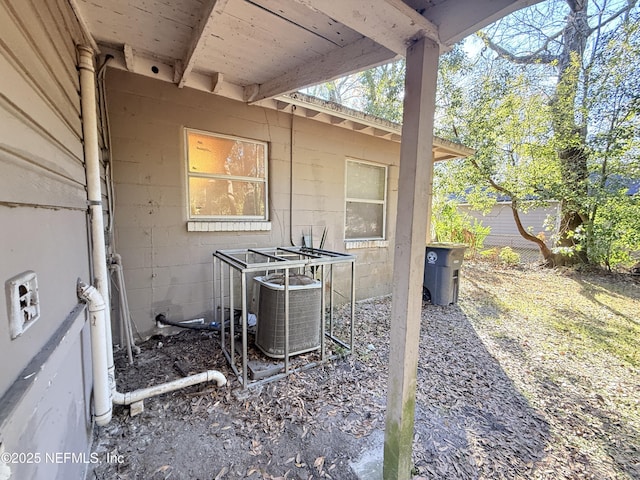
x=539, y=56
x=626, y=9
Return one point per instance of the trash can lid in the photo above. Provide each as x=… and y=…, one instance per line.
x=447, y=245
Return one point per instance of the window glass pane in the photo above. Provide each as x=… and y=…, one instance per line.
x=364, y=220
x=225, y=156
x=215, y=197
x=365, y=181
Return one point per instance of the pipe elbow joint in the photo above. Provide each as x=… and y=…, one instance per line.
x=90, y=295
x=104, y=419
x=218, y=377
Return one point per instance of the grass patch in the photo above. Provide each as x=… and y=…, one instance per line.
x=591, y=315
x=597, y=333
x=569, y=344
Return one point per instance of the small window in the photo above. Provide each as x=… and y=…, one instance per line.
x=227, y=177
x=366, y=198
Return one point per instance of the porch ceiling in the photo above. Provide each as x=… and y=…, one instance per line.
x=257, y=49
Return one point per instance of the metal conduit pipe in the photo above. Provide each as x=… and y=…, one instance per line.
x=291, y=138
x=126, y=330
x=94, y=192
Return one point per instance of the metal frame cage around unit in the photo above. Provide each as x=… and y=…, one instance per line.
x=232, y=274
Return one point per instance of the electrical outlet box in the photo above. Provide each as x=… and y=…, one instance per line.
x=23, y=303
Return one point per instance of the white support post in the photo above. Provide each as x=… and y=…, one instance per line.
x=408, y=268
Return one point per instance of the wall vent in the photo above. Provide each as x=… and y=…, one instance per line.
x=23, y=304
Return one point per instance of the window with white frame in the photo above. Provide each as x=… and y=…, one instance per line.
x=226, y=176
x=366, y=200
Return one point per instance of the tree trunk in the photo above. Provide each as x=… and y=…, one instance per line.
x=550, y=258
x=570, y=134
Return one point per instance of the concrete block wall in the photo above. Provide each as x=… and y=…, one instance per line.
x=168, y=269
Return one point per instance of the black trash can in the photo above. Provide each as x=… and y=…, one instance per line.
x=442, y=265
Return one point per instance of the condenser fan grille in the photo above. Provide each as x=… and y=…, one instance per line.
x=304, y=315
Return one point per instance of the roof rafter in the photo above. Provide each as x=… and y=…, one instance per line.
x=458, y=18
x=359, y=55
x=392, y=23
x=210, y=12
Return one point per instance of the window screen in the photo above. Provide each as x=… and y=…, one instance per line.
x=366, y=187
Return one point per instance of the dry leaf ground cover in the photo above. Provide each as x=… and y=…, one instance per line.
x=569, y=343
x=535, y=374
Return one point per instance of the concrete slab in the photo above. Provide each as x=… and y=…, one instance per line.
x=369, y=465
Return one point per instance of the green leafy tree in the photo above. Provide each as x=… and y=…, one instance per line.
x=383, y=90
x=451, y=225
x=561, y=34
x=616, y=230
x=504, y=114
x=613, y=102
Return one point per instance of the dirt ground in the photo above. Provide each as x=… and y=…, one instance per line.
x=486, y=406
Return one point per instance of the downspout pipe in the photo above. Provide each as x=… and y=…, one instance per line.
x=102, y=405
x=94, y=193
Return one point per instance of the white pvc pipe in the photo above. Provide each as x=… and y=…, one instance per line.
x=101, y=341
x=126, y=333
x=94, y=192
x=103, y=396
x=143, y=393
x=101, y=392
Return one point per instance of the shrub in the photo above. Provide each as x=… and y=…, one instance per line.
x=508, y=256
x=490, y=254
x=450, y=225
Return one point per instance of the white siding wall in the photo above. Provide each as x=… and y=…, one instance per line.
x=43, y=228
x=503, y=227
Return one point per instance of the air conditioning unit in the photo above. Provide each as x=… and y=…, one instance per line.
x=304, y=314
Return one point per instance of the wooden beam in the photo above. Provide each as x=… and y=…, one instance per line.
x=381, y=133
x=177, y=71
x=363, y=129
x=390, y=23
x=359, y=127
x=457, y=19
x=129, y=58
x=164, y=71
x=216, y=82
x=415, y=176
x=355, y=57
x=211, y=11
